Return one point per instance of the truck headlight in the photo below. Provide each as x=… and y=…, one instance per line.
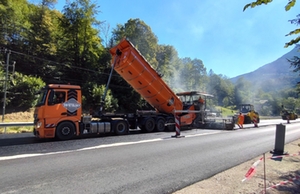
x=38, y=124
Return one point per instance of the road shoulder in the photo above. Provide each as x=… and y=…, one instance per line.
x=283, y=172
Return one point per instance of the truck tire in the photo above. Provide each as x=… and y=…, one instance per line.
x=120, y=127
x=65, y=131
x=160, y=125
x=171, y=124
x=148, y=125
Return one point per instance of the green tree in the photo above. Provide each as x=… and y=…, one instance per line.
x=6, y=13
x=273, y=107
x=41, y=32
x=28, y=31
x=227, y=91
x=80, y=45
x=41, y=40
x=111, y=103
x=170, y=66
x=144, y=40
x=221, y=88
x=185, y=71
x=193, y=74
x=242, y=92
x=291, y=104
x=141, y=36
x=13, y=23
x=166, y=57
x=22, y=91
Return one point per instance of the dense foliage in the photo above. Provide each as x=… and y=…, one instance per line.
x=49, y=46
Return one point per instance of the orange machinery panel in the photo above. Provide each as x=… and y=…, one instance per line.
x=134, y=68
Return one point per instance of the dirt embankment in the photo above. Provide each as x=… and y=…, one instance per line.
x=21, y=116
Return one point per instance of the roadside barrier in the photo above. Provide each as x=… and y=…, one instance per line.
x=288, y=119
x=177, y=121
x=252, y=170
x=284, y=182
x=177, y=127
x=285, y=155
x=16, y=124
x=255, y=121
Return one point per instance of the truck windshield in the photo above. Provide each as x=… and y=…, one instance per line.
x=245, y=108
x=41, y=97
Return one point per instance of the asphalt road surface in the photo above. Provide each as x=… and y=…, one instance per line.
x=139, y=163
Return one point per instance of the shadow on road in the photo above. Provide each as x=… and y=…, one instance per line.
x=19, y=141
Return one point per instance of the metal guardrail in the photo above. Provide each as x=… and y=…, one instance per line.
x=16, y=124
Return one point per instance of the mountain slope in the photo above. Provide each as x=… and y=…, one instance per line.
x=276, y=75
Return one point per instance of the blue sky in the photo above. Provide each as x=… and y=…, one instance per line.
x=228, y=41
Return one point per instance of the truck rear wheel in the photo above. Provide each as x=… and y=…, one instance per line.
x=160, y=125
x=171, y=124
x=65, y=131
x=149, y=125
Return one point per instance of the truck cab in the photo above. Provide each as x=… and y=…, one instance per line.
x=58, y=111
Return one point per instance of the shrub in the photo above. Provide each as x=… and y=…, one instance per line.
x=22, y=91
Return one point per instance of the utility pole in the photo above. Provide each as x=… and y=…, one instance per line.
x=5, y=84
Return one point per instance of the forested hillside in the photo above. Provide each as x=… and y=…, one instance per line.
x=277, y=75
x=40, y=45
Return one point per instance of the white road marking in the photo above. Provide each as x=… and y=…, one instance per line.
x=3, y=158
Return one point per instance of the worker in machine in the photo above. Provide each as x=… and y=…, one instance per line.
x=253, y=117
x=240, y=121
x=201, y=104
x=60, y=98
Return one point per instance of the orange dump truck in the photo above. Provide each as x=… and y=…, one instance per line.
x=58, y=112
x=134, y=68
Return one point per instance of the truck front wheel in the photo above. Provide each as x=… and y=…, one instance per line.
x=121, y=128
x=65, y=131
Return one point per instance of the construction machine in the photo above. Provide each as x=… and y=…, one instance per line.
x=205, y=118
x=288, y=115
x=64, y=119
x=245, y=109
